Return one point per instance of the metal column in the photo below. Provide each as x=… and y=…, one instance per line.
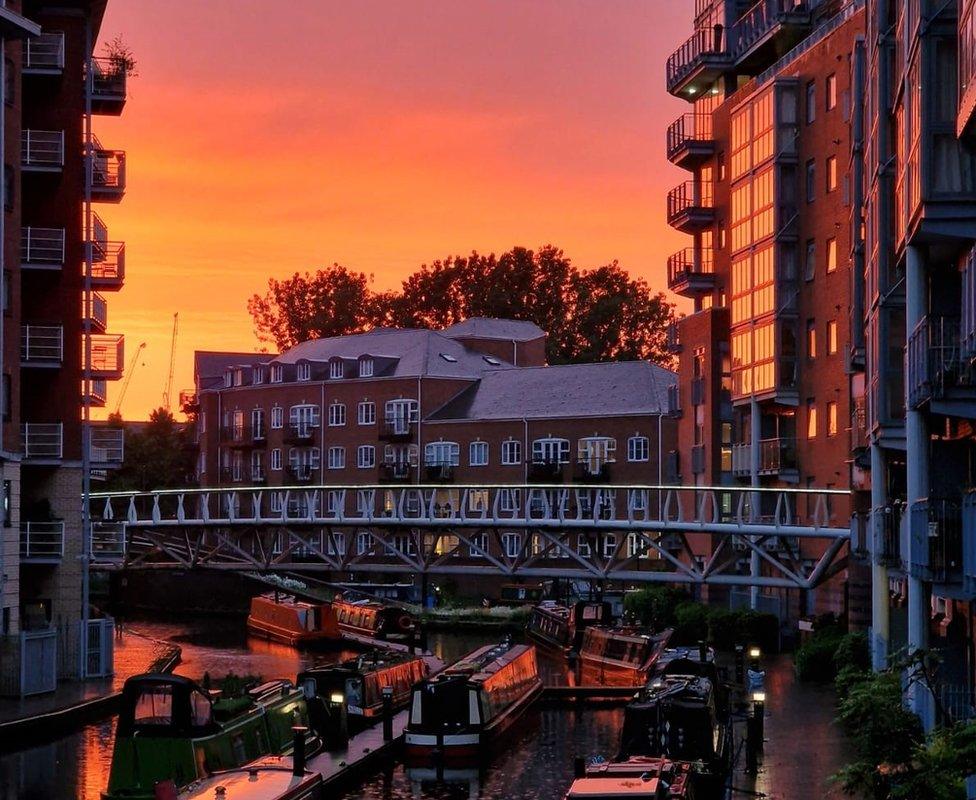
x=755, y=425
x=880, y=624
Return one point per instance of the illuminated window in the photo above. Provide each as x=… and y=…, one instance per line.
x=831, y=92
x=831, y=173
x=832, y=418
x=811, y=419
x=831, y=337
x=811, y=338
x=831, y=255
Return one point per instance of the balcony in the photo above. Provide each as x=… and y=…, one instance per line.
x=698, y=391
x=674, y=400
x=107, y=172
x=741, y=460
x=107, y=447
x=936, y=548
x=969, y=542
x=44, y=54
x=97, y=314
x=301, y=433
x=41, y=151
x=41, y=442
x=672, y=338
x=777, y=457
x=107, y=356
x=300, y=473
x=698, y=459
x=42, y=248
x=937, y=375
x=767, y=31
x=886, y=527
x=438, y=471
x=691, y=271
x=106, y=86
x=244, y=437
x=698, y=63
x=395, y=471
x=396, y=429
x=41, y=345
x=108, y=265
x=41, y=542
x=546, y=470
x=592, y=471
x=690, y=140
x=97, y=393
x=690, y=207
x=258, y=474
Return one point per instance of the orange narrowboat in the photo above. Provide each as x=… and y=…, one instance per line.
x=619, y=656
x=291, y=621
x=369, y=619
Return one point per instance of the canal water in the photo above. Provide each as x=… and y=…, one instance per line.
x=535, y=764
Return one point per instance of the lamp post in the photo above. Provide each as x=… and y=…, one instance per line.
x=339, y=699
x=387, y=713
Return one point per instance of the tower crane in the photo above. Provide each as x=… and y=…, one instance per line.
x=128, y=375
x=172, y=363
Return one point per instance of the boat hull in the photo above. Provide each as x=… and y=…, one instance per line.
x=282, y=635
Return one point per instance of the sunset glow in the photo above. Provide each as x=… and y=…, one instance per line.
x=379, y=135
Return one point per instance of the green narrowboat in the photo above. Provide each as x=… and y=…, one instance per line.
x=172, y=729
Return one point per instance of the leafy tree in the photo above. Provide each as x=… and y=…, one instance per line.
x=160, y=455
x=590, y=315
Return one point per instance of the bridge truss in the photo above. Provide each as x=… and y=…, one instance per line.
x=675, y=534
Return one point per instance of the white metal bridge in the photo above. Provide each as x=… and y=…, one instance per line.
x=736, y=536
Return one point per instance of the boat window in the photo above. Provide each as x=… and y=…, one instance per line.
x=591, y=612
x=154, y=706
x=200, y=710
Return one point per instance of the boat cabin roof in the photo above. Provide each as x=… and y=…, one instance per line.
x=367, y=662
x=627, y=633
x=286, y=600
x=483, y=662
x=268, y=778
x=159, y=704
x=623, y=788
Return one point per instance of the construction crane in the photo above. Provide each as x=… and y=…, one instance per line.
x=128, y=375
x=172, y=363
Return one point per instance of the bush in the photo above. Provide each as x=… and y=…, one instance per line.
x=814, y=661
x=690, y=623
x=852, y=652
x=654, y=606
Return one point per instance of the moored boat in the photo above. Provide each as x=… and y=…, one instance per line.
x=171, y=729
x=636, y=778
x=619, y=656
x=288, y=620
x=368, y=620
x=560, y=628
x=457, y=714
x=270, y=778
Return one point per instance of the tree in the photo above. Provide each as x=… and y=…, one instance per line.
x=589, y=315
x=158, y=456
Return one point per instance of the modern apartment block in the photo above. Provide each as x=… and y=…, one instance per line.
x=472, y=404
x=58, y=348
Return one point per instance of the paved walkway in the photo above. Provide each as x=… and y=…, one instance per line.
x=134, y=654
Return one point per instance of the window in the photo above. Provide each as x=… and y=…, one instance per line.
x=337, y=415
x=479, y=545
x=335, y=503
x=811, y=338
x=831, y=92
x=366, y=414
x=277, y=417
x=811, y=419
x=366, y=456
x=720, y=161
x=831, y=255
x=446, y=454
x=831, y=337
x=636, y=546
x=811, y=180
x=304, y=371
x=364, y=543
x=365, y=368
x=831, y=173
x=511, y=452
x=832, y=418
x=478, y=500
x=638, y=448
x=257, y=375
x=811, y=106
x=276, y=459
x=512, y=543
x=810, y=262
x=492, y=360
x=336, y=369
x=257, y=424
x=550, y=451
x=277, y=373
x=509, y=499
x=478, y=454
x=302, y=419
x=583, y=545
x=257, y=465
x=609, y=541
x=448, y=358
x=337, y=458
x=238, y=377
x=595, y=451
x=399, y=414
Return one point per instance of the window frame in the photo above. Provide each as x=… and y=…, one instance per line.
x=508, y=446
x=632, y=443
x=482, y=447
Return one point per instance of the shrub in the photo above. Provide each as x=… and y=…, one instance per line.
x=814, y=660
x=690, y=623
x=654, y=606
x=852, y=652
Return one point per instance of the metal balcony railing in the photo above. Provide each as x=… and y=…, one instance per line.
x=776, y=455
x=108, y=264
x=42, y=247
x=107, y=445
x=108, y=541
x=107, y=355
x=300, y=473
x=859, y=423
x=44, y=53
x=759, y=20
x=689, y=196
x=41, y=541
x=41, y=441
x=439, y=470
x=674, y=400
x=395, y=470
x=672, y=338
x=257, y=473
x=939, y=520
x=107, y=169
x=741, y=467
x=688, y=130
x=97, y=312
x=107, y=80
x=934, y=359
x=42, y=150
x=394, y=428
x=97, y=392
x=702, y=45
x=299, y=432
x=689, y=263
x=41, y=344
x=886, y=525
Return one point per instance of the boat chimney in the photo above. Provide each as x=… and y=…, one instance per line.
x=579, y=767
x=702, y=650
x=298, y=750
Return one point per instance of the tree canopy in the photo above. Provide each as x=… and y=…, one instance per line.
x=600, y=314
x=157, y=456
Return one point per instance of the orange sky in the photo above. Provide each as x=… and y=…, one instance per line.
x=264, y=138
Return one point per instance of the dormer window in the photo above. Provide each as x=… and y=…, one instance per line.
x=304, y=371
x=492, y=360
x=257, y=375
x=238, y=377
x=449, y=358
x=228, y=377
x=365, y=368
x=277, y=373
x=336, y=369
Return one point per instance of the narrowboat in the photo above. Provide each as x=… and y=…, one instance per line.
x=171, y=729
x=290, y=621
x=560, y=628
x=268, y=778
x=360, y=683
x=456, y=715
x=619, y=656
x=520, y=594
x=678, y=717
x=639, y=778
x=368, y=620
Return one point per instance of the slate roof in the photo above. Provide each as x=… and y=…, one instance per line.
x=209, y=365
x=607, y=389
x=491, y=328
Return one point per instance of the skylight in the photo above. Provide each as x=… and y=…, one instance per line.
x=492, y=360
x=449, y=358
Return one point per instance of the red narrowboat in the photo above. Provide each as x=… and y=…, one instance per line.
x=456, y=715
x=560, y=628
x=635, y=779
x=368, y=620
x=291, y=621
x=619, y=656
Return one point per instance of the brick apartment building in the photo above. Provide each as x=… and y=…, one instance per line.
x=831, y=209
x=474, y=403
x=58, y=350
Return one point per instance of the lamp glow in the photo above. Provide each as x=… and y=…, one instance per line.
x=758, y=697
x=337, y=697
x=754, y=652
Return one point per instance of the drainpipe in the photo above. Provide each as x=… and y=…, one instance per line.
x=660, y=467
x=879, y=572
x=322, y=427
